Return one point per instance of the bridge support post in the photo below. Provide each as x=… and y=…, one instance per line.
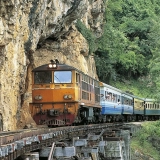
x=58, y=152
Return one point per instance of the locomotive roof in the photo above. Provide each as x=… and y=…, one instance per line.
x=60, y=67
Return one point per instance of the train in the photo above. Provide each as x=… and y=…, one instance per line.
x=63, y=95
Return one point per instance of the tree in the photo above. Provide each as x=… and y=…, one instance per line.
x=130, y=39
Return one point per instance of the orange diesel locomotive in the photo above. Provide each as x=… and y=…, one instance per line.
x=63, y=95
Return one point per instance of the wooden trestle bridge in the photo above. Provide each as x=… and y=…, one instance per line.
x=70, y=142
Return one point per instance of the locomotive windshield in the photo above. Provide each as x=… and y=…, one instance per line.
x=43, y=77
x=62, y=76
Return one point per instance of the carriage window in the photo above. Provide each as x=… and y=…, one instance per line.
x=118, y=101
x=118, y=98
x=77, y=78
x=62, y=77
x=127, y=102
x=43, y=77
x=85, y=78
x=108, y=96
x=92, y=82
x=114, y=98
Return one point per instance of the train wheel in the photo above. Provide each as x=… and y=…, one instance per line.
x=147, y=118
x=86, y=122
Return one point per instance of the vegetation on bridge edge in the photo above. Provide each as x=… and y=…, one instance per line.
x=141, y=142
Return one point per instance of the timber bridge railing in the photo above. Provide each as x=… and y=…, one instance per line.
x=16, y=143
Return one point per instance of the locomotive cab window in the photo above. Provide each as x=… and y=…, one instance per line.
x=62, y=77
x=43, y=77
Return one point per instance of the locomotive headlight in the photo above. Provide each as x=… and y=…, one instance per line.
x=54, y=65
x=69, y=96
x=65, y=97
x=50, y=65
x=38, y=97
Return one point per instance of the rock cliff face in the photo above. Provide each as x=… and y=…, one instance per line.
x=32, y=32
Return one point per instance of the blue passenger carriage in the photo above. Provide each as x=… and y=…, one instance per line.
x=110, y=102
x=127, y=106
x=152, y=109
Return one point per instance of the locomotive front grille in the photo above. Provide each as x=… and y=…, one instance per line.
x=54, y=122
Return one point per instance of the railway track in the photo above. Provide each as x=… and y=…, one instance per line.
x=16, y=143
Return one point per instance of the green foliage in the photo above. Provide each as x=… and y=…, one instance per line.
x=146, y=149
x=141, y=140
x=103, y=62
x=130, y=40
x=149, y=129
x=88, y=35
x=130, y=45
x=136, y=87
